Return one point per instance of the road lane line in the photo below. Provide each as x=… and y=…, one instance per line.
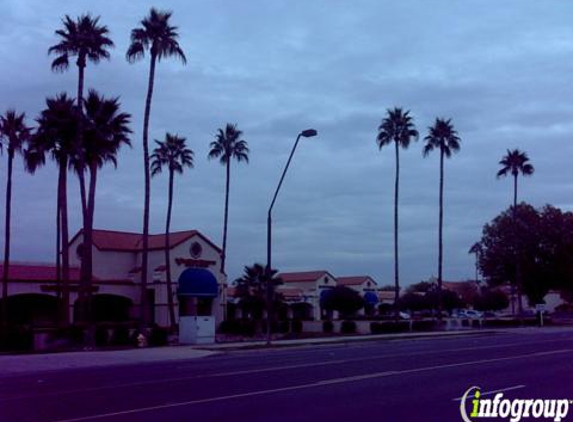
x=310, y=385
x=258, y=370
x=501, y=390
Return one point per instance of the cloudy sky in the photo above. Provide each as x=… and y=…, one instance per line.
x=500, y=70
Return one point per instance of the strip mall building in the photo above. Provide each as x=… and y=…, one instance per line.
x=198, y=283
x=199, y=286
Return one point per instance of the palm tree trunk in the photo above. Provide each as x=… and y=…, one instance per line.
x=61, y=309
x=6, y=265
x=167, y=255
x=87, y=263
x=80, y=134
x=396, y=269
x=440, y=238
x=145, y=235
x=225, y=223
x=517, y=250
x=62, y=184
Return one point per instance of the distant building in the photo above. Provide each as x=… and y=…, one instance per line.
x=302, y=292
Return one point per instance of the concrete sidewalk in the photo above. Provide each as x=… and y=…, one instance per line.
x=26, y=364
x=21, y=364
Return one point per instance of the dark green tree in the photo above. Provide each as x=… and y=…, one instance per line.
x=55, y=136
x=87, y=41
x=14, y=135
x=227, y=146
x=514, y=163
x=342, y=299
x=157, y=36
x=396, y=128
x=105, y=130
x=251, y=289
x=173, y=154
x=443, y=138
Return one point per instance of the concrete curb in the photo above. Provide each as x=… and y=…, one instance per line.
x=341, y=340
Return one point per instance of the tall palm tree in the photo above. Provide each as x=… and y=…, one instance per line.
x=444, y=138
x=15, y=134
x=477, y=250
x=516, y=162
x=159, y=37
x=228, y=145
x=398, y=128
x=86, y=40
x=173, y=154
x=56, y=136
x=106, y=129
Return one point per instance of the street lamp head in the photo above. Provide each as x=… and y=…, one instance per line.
x=309, y=133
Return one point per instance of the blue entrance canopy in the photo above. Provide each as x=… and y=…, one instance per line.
x=197, y=282
x=371, y=298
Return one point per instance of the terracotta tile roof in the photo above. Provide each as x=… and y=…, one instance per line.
x=355, y=280
x=290, y=292
x=36, y=272
x=112, y=240
x=303, y=276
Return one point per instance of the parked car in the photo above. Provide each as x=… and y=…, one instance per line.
x=405, y=315
x=469, y=313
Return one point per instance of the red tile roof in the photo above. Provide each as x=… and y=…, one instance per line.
x=303, y=276
x=19, y=271
x=289, y=292
x=112, y=240
x=355, y=280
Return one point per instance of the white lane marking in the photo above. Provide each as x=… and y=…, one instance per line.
x=259, y=370
x=310, y=385
x=501, y=390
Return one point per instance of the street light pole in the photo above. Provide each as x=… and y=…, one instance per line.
x=308, y=133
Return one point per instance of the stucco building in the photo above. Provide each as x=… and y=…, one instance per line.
x=195, y=263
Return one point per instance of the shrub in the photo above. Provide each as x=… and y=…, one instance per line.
x=296, y=326
x=348, y=327
x=101, y=335
x=389, y=327
x=501, y=323
x=424, y=325
x=17, y=338
x=158, y=336
x=283, y=327
x=120, y=336
x=327, y=327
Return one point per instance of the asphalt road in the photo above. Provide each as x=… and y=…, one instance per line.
x=406, y=380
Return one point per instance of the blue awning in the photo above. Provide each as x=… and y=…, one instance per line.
x=371, y=298
x=323, y=295
x=197, y=282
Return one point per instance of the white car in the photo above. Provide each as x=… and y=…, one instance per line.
x=470, y=313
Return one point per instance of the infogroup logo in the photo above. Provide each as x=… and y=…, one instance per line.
x=473, y=407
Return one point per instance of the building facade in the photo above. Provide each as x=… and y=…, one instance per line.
x=195, y=264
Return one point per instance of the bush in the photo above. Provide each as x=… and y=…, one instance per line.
x=120, y=336
x=348, y=327
x=239, y=327
x=101, y=335
x=296, y=326
x=424, y=325
x=327, y=327
x=389, y=327
x=501, y=323
x=283, y=327
x=158, y=336
x=17, y=338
